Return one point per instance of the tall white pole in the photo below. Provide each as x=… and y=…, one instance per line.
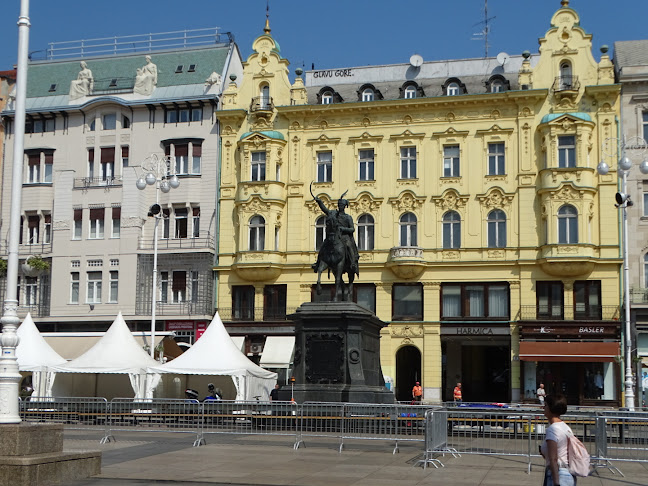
x=629, y=392
x=9, y=375
x=155, y=259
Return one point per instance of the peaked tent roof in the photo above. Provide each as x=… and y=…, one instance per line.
x=116, y=352
x=33, y=352
x=214, y=354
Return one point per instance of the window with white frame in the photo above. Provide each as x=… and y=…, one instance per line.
x=33, y=173
x=107, y=163
x=47, y=228
x=124, y=155
x=96, y=230
x=365, y=232
x=114, y=287
x=181, y=222
x=181, y=155
x=408, y=162
x=179, y=286
x=49, y=168
x=164, y=287
x=74, y=287
x=368, y=95
x=195, y=223
x=31, y=291
x=327, y=98
x=646, y=271
x=324, y=166
x=320, y=232
x=567, y=225
x=496, y=86
x=109, y=121
x=196, y=158
x=451, y=161
x=166, y=223
x=566, y=151
x=93, y=295
x=452, y=89
x=451, y=230
x=194, y=286
x=408, y=233
x=77, y=232
x=496, y=229
x=410, y=92
x=33, y=230
x=366, y=165
x=496, y=159
x=257, y=233
x=258, y=166
x=115, y=231
x=91, y=170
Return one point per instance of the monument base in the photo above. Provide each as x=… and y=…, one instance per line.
x=32, y=454
x=337, y=355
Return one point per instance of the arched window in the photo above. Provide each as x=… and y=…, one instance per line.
x=368, y=95
x=451, y=230
x=320, y=232
x=497, y=86
x=566, y=78
x=452, y=89
x=265, y=96
x=567, y=225
x=410, y=92
x=365, y=232
x=496, y=229
x=257, y=233
x=327, y=98
x=408, y=230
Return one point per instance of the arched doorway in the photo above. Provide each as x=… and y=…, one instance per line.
x=408, y=371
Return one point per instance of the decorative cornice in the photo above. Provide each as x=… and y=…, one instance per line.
x=450, y=200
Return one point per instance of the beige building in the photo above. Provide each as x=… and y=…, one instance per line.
x=96, y=123
x=482, y=224
x=631, y=63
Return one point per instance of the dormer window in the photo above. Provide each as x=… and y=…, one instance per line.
x=327, y=98
x=497, y=84
x=192, y=68
x=452, y=89
x=410, y=92
x=52, y=88
x=368, y=92
x=179, y=68
x=113, y=83
x=368, y=95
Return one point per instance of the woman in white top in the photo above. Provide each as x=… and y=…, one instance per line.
x=554, y=448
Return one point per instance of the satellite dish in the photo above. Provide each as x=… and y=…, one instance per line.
x=416, y=60
x=502, y=58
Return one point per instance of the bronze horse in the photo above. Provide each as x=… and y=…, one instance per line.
x=335, y=255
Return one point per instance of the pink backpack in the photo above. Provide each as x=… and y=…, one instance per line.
x=578, y=457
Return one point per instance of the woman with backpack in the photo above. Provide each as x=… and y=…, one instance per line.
x=554, y=448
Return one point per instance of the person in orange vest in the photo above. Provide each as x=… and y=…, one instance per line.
x=457, y=393
x=417, y=392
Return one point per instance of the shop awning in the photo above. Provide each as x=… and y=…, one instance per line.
x=561, y=351
x=278, y=352
x=240, y=342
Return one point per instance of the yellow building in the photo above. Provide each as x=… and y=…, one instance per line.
x=486, y=237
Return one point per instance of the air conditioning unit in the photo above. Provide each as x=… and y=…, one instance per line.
x=256, y=348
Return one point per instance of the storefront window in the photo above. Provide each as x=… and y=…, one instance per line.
x=579, y=382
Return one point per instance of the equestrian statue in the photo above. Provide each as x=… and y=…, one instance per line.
x=339, y=253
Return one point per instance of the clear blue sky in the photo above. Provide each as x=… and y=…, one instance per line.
x=332, y=33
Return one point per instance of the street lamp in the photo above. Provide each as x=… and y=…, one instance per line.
x=610, y=148
x=156, y=171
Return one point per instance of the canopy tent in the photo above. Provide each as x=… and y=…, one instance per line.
x=117, y=352
x=71, y=345
x=278, y=352
x=215, y=353
x=35, y=355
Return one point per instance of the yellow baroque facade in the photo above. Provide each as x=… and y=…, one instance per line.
x=487, y=240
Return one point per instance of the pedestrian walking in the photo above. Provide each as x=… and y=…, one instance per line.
x=554, y=447
x=458, y=397
x=417, y=392
x=541, y=394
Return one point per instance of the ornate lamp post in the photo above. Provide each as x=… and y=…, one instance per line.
x=156, y=171
x=611, y=148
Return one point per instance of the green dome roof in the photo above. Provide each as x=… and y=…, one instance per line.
x=268, y=133
x=553, y=116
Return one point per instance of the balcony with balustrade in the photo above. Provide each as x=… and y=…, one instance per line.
x=406, y=261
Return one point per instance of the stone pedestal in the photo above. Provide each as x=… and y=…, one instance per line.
x=337, y=355
x=32, y=454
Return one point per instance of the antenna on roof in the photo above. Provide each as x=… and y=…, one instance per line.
x=486, y=30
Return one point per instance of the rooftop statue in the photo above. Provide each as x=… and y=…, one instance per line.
x=339, y=252
x=146, y=78
x=83, y=84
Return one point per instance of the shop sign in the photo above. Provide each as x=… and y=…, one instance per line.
x=201, y=327
x=475, y=331
x=180, y=325
x=583, y=330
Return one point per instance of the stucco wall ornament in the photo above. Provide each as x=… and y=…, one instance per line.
x=450, y=200
x=495, y=198
x=406, y=331
x=255, y=205
x=566, y=193
x=407, y=201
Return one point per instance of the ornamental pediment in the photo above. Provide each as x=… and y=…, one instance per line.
x=451, y=132
x=450, y=200
x=495, y=130
x=407, y=134
x=322, y=139
x=365, y=203
x=366, y=137
x=407, y=201
x=495, y=198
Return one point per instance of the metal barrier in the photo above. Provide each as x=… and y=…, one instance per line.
x=319, y=419
x=436, y=438
x=161, y=415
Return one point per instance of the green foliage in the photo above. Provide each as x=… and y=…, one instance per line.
x=3, y=267
x=37, y=263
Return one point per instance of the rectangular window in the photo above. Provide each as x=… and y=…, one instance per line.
x=116, y=223
x=567, y=151
x=31, y=291
x=179, y=286
x=181, y=159
x=408, y=163
x=407, y=302
x=114, y=287
x=587, y=300
x=96, y=224
x=91, y=163
x=196, y=114
x=109, y=121
x=94, y=288
x=274, y=302
x=124, y=155
x=171, y=116
x=194, y=286
x=47, y=228
x=107, y=163
x=183, y=116
x=166, y=223
x=496, y=164
x=164, y=287
x=74, y=287
x=549, y=297
x=78, y=224
x=258, y=166
x=243, y=302
x=366, y=159
x=49, y=168
x=324, y=166
x=645, y=125
x=365, y=296
x=645, y=198
x=33, y=228
x=195, y=223
x=181, y=222
x=33, y=174
x=475, y=301
x=451, y=161
x=196, y=160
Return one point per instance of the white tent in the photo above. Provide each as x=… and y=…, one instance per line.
x=215, y=353
x=117, y=352
x=35, y=355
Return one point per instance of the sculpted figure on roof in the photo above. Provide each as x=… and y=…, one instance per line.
x=83, y=84
x=146, y=78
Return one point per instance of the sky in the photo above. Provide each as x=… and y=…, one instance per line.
x=331, y=33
